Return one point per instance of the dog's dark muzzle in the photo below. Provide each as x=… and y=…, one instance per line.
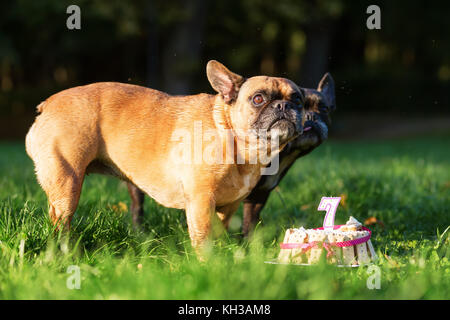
x=315, y=124
x=282, y=119
x=286, y=111
x=282, y=105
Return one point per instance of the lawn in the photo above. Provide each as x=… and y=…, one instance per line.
x=404, y=183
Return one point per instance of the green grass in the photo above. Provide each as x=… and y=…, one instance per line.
x=403, y=183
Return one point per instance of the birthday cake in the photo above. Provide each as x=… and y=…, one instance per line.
x=347, y=245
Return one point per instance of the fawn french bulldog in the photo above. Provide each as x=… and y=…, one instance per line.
x=134, y=133
x=319, y=103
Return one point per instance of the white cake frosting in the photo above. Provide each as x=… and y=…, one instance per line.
x=317, y=242
x=353, y=221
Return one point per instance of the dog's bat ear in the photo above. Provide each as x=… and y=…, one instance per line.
x=223, y=80
x=326, y=86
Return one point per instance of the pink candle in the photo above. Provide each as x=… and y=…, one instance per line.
x=329, y=204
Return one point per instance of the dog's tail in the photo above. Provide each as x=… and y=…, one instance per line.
x=41, y=106
x=30, y=137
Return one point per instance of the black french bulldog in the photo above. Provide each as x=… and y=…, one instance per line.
x=319, y=103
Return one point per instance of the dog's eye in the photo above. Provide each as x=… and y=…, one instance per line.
x=258, y=99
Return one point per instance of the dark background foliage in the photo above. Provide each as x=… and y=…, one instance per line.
x=399, y=72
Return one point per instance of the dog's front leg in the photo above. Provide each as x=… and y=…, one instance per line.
x=253, y=206
x=199, y=211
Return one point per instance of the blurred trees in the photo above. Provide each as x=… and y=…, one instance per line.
x=402, y=68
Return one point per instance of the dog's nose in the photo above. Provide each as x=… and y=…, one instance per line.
x=310, y=116
x=280, y=105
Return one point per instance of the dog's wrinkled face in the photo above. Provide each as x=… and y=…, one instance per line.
x=319, y=104
x=269, y=106
x=274, y=105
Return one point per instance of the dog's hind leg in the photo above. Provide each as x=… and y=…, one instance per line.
x=60, y=169
x=137, y=204
x=62, y=182
x=62, y=143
